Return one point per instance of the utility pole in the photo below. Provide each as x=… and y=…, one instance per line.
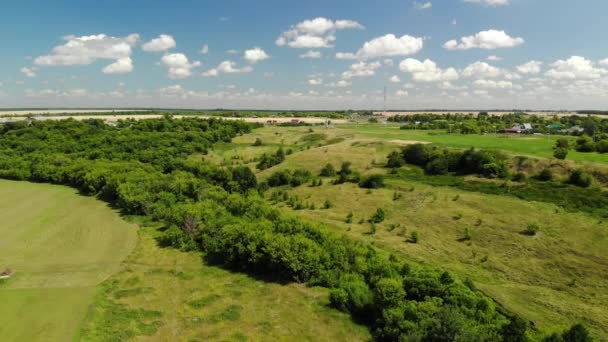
x=384, y=105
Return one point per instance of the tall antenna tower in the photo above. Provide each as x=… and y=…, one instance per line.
x=384, y=105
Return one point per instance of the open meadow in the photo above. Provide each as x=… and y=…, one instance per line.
x=552, y=279
x=60, y=246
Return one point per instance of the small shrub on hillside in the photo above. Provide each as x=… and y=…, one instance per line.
x=326, y=204
x=580, y=178
x=396, y=196
x=372, y=182
x=577, y=333
x=414, y=238
x=531, y=229
x=257, y=142
x=378, y=216
x=519, y=177
x=466, y=236
x=395, y=160
x=560, y=153
x=372, y=229
x=349, y=217
x=545, y=175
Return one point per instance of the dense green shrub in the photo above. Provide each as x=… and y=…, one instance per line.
x=395, y=159
x=561, y=153
x=372, y=182
x=585, y=144
x=545, y=175
x=328, y=171
x=378, y=216
x=580, y=178
x=270, y=160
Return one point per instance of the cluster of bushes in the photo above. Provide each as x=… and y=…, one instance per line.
x=269, y=160
x=286, y=177
x=441, y=161
x=598, y=143
x=218, y=212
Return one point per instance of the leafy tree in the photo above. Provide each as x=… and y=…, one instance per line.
x=585, y=144
x=515, y=330
x=545, y=175
x=328, y=171
x=257, y=142
x=577, y=333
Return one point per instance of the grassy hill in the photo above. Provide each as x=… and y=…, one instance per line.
x=553, y=279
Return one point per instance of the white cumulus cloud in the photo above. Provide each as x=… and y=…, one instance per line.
x=315, y=33
x=164, y=42
x=345, y=55
x=395, y=79
x=488, y=40
x=29, y=72
x=311, y=54
x=492, y=84
x=575, y=67
x=226, y=67
x=361, y=69
x=422, y=6
x=255, y=55
x=178, y=65
x=121, y=66
x=390, y=45
x=427, y=71
x=86, y=50
x=490, y=2
x=532, y=67
x=481, y=70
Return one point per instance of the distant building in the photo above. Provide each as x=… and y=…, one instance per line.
x=519, y=129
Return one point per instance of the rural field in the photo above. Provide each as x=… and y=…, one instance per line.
x=554, y=278
x=61, y=246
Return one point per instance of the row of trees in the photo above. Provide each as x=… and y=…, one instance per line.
x=439, y=161
x=143, y=168
x=485, y=123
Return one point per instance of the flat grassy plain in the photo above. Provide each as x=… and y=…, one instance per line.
x=168, y=295
x=555, y=278
x=60, y=246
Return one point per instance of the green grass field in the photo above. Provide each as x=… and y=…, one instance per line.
x=83, y=273
x=553, y=279
x=60, y=246
x=168, y=295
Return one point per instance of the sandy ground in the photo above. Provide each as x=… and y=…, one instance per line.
x=408, y=142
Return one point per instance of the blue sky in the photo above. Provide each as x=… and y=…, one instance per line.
x=453, y=54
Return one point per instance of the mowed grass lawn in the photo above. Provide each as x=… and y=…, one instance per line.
x=168, y=295
x=61, y=246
